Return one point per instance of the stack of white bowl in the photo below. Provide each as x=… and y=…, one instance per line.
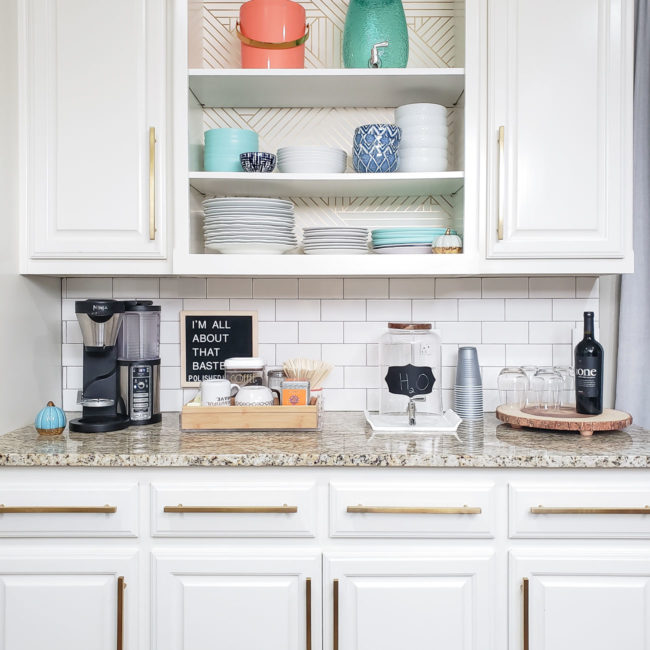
x=423, y=147
x=311, y=160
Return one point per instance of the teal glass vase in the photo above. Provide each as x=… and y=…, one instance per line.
x=370, y=22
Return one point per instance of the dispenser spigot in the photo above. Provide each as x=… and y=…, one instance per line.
x=410, y=409
x=375, y=61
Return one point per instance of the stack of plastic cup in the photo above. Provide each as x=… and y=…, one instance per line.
x=468, y=391
x=223, y=147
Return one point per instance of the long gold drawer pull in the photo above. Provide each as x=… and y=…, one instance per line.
x=308, y=613
x=152, y=182
x=335, y=615
x=57, y=510
x=542, y=510
x=526, y=618
x=390, y=510
x=232, y=509
x=121, y=586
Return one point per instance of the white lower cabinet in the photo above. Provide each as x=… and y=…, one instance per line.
x=427, y=581
x=408, y=600
x=68, y=599
x=580, y=598
x=239, y=600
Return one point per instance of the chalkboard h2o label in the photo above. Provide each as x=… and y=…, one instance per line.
x=208, y=338
x=410, y=380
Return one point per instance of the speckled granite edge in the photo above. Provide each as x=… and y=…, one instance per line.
x=319, y=460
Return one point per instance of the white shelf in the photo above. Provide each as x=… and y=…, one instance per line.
x=325, y=265
x=387, y=87
x=349, y=184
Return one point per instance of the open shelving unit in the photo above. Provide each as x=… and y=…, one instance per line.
x=322, y=106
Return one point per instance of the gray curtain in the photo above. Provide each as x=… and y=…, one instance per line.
x=632, y=387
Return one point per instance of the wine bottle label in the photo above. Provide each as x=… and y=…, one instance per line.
x=588, y=377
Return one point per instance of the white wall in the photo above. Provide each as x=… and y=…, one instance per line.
x=30, y=331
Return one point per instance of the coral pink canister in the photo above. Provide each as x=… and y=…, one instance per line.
x=273, y=34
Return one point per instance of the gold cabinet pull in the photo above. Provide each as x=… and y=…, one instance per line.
x=526, y=607
x=500, y=184
x=57, y=510
x=543, y=510
x=308, y=613
x=152, y=182
x=121, y=586
x=399, y=510
x=335, y=615
x=232, y=509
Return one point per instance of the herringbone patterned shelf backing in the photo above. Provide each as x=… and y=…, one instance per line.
x=431, y=25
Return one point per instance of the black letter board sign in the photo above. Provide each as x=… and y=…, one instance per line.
x=410, y=380
x=208, y=338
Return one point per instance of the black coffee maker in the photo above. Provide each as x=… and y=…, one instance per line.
x=103, y=407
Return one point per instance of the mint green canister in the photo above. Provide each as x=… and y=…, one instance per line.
x=375, y=35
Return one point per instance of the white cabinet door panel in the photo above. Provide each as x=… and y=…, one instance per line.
x=238, y=601
x=560, y=77
x=581, y=599
x=92, y=85
x=61, y=599
x=416, y=602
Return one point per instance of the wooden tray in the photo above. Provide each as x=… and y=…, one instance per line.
x=564, y=419
x=249, y=418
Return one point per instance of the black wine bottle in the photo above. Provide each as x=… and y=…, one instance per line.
x=589, y=371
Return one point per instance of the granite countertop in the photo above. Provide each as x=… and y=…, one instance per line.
x=345, y=441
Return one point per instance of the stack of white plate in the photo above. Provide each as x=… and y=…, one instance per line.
x=335, y=241
x=249, y=225
x=312, y=160
x=423, y=146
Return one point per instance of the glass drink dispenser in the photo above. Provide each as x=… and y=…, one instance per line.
x=410, y=370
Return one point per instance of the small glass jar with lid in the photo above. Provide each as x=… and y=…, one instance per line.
x=410, y=369
x=244, y=371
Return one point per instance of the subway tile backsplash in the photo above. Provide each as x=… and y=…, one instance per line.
x=511, y=321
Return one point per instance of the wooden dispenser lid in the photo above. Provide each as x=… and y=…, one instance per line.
x=409, y=326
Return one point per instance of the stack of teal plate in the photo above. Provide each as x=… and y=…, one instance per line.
x=391, y=241
x=223, y=146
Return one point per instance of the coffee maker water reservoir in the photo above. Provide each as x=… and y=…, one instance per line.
x=139, y=361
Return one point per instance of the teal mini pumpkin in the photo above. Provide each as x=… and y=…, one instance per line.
x=50, y=421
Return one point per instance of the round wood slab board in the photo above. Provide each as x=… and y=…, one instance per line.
x=564, y=420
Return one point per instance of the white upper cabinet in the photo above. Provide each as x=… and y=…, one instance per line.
x=560, y=129
x=92, y=134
